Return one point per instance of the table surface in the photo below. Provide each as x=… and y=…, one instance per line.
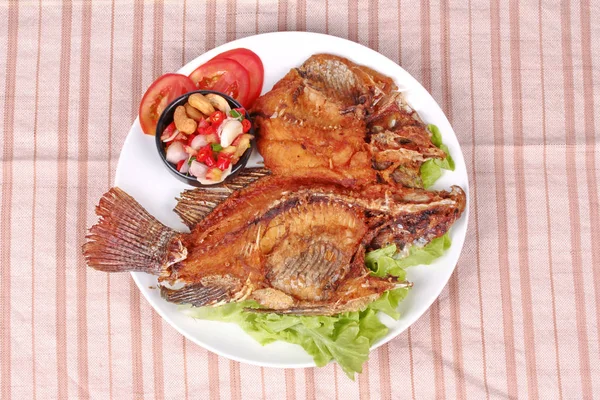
x=520, y=84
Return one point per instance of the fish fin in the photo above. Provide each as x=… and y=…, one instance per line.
x=197, y=295
x=246, y=177
x=194, y=205
x=128, y=238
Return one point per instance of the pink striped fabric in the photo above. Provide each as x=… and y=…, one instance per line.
x=520, y=82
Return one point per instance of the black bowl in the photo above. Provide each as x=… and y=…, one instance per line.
x=167, y=117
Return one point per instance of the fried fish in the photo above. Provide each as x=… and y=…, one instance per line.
x=331, y=118
x=296, y=246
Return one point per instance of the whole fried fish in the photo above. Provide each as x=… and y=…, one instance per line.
x=295, y=246
x=344, y=122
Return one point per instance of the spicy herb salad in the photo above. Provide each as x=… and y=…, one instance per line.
x=206, y=138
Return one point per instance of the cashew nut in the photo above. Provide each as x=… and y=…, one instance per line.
x=193, y=113
x=201, y=104
x=218, y=102
x=182, y=122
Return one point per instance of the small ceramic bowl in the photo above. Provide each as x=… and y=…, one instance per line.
x=167, y=117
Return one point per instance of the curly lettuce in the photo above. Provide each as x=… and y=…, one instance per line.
x=345, y=338
x=431, y=170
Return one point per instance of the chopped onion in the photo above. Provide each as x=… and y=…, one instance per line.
x=176, y=152
x=185, y=167
x=175, y=132
x=198, y=169
x=229, y=130
x=199, y=141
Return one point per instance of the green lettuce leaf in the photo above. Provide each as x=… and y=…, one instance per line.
x=388, y=302
x=387, y=261
x=385, y=266
x=370, y=326
x=381, y=263
x=431, y=169
x=426, y=254
x=345, y=338
x=430, y=172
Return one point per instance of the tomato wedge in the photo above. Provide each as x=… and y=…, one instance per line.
x=252, y=63
x=225, y=76
x=159, y=95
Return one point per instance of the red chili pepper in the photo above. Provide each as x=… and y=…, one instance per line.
x=223, y=161
x=217, y=118
x=189, y=142
x=210, y=161
x=241, y=110
x=180, y=164
x=168, y=131
x=204, y=153
x=246, y=125
x=202, y=125
x=206, y=131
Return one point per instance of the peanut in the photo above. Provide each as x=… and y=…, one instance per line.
x=182, y=122
x=201, y=104
x=193, y=113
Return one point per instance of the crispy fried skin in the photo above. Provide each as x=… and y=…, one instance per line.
x=305, y=240
x=298, y=243
x=304, y=133
x=331, y=118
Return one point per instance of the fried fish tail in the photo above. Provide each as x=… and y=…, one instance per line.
x=127, y=238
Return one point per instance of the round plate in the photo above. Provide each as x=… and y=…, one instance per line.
x=141, y=173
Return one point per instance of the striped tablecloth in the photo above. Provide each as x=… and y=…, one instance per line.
x=520, y=82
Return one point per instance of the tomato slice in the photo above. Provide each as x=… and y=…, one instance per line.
x=158, y=96
x=252, y=63
x=225, y=76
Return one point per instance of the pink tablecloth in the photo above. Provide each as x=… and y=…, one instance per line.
x=519, y=82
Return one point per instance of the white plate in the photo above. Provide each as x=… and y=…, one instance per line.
x=141, y=173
